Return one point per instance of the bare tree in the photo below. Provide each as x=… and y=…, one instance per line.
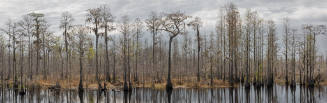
x=38, y=23
x=254, y=24
x=94, y=17
x=12, y=33
x=107, y=24
x=232, y=20
x=21, y=43
x=153, y=25
x=196, y=24
x=138, y=26
x=2, y=58
x=27, y=25
x=310, y=49
x=81, y=37
x=261, y=43
x=114, y=60
x=66, y=25
x=13, y=36
x=247, y=47
x=7, y=31
x=125, y=30
x=293, y=61
x=222, y=32
x=186, y=52
x=44, y=41
x=211, y=56
x=272, y=52
x=286, y=31
x=174, y=24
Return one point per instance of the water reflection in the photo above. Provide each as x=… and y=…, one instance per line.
x=280, y=94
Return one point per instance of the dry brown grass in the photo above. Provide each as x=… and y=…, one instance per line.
x=280, y=81
x=323, y=83
x=90, y=83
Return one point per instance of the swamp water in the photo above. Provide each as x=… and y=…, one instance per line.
x=277, y=94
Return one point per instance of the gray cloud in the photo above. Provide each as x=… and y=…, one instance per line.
x=299, y=11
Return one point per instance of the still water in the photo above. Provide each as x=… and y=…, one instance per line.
x=277, y=94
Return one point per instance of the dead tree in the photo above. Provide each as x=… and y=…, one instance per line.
x=125, y=30
x=66, y=25
x=44, y=41
x=2, y=59
x=114, y=60
x=94, y=17
x=21, y=43
x=174, y=24
x=38, y=23
x=26, y=24
x=12, y=33
x=153, y=24
x=271, y=53
x=286, y=31
x=312, y=32
x=80, y=33
x=107, y=19
x=232, y=20
x=247, y=47
x=14, y=36
x=221, y=28
x=196, y=24
x=138, y=26
x=211, y=53
x=293, y=61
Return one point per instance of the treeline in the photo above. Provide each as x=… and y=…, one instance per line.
x=243, y=48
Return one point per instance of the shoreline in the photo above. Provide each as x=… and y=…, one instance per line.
x=73, y=85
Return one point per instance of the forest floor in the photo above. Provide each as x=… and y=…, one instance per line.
x=118, y=84
x=92, y=84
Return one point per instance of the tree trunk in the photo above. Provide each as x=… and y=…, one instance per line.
x=247, y=85
x=153, y=50
x=37, y=49
x=136, y=58
x=97, y=60
x=286, y=61
x=211, y=74
x=62, y=65
x=198, y=62
x=44, y=57
x=67, y=52
x=107, y=56
x=30, y=58
x=169, y=85
x=21, y=65
x=80, y=87
x=9, y=61
x=114, y=65
x=129, y=66
x=14, y=62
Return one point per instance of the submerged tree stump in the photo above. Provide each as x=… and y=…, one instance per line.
x=169, y=86
x=125, y=88
x=293, y=85
x=80, y=88
x=247, y=85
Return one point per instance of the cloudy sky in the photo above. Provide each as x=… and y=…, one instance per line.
x=299, y=11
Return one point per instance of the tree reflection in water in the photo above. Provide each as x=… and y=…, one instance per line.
x=277, y=93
